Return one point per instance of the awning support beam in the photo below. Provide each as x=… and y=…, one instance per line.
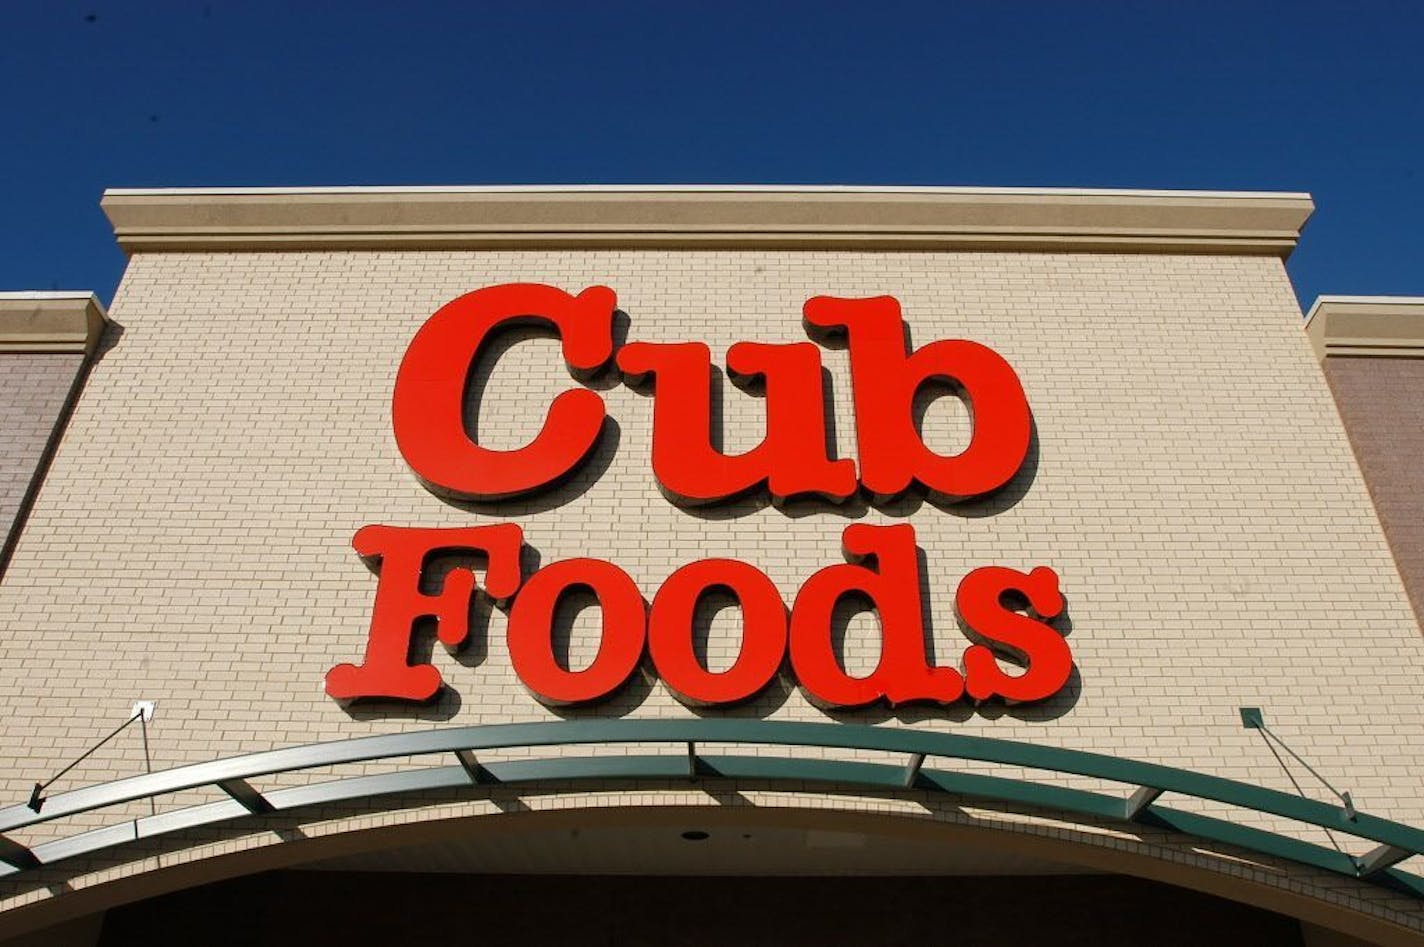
x=1378, y=859
x=248, y=797
x=912, y=769
x=1138, y=802
x=478, y=774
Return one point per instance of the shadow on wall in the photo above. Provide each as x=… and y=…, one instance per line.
x=113, y=334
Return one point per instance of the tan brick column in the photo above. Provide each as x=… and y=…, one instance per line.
x=45, y=340
x=1372, y=351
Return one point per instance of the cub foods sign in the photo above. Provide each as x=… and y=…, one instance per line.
x=428, y=413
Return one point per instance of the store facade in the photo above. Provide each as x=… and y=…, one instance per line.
x=954, y=536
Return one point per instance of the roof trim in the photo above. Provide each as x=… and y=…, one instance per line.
x=45, y=294
x=1378, y=326
x=50, y=321
x=883, y=218
x=692, y=189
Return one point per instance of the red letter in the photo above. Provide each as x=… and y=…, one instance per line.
x=1041, y=648
x=884, y=381
x=791, y=458
x=763, y=632
x=428, y=407
x=904, y=673
x=531, y=625
x=399, y=602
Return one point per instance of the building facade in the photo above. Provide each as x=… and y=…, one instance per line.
x=657, y=553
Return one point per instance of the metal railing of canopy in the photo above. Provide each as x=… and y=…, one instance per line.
x=1383, y=843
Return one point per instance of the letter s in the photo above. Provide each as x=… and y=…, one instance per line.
x=428, y=410
x=1042, y=649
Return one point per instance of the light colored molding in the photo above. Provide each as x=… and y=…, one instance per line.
x=1382, y=326
x=886, y=218
x=693, y=189
x=66, y=321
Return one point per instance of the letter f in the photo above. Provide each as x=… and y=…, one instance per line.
x=386, y=671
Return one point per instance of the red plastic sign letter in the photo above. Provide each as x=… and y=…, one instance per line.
x=1041, y=648
x=884, y=381
x=385, y=672
x=428, y=408
x=531, y=625
x=763, y=632
x=791, y=459
x=904, y=673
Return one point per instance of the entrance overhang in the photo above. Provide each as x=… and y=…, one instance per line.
x=697, y=758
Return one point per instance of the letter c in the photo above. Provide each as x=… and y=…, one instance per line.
x=428, y=410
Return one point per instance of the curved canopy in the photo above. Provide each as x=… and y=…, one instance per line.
x=1147, y=782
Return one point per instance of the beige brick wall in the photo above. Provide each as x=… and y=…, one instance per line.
x=1192, y=486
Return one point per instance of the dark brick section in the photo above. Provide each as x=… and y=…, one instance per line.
x=354, y=909
x=1382, y=403
x=34, y=388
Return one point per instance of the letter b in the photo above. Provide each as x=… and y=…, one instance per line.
x=884, y=380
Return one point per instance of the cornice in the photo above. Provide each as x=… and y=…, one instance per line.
x=68, y=321
x=1379, y=326
x=880, y=218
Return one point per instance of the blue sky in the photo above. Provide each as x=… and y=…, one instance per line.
x=1319, y=97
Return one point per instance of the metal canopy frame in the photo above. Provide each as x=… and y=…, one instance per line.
x=1147, y=782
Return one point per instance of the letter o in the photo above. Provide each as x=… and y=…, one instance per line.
x=763, y=632
x=530, y=636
